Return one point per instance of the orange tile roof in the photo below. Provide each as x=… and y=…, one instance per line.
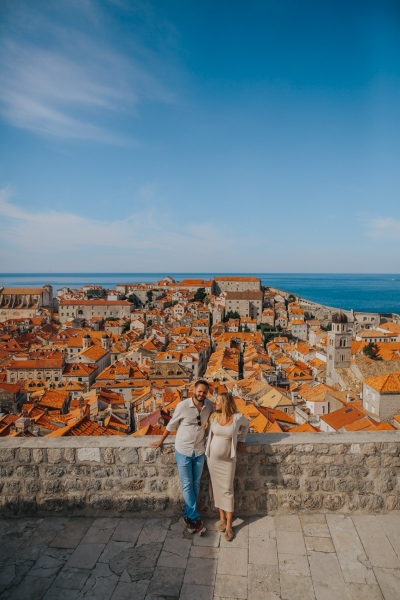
x=385, y=384
x=344, y=416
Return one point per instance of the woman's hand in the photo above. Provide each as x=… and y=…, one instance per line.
x=241, y=446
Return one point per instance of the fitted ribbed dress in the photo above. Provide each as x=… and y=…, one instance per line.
x=221, y=466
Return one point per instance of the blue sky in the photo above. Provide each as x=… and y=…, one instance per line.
x=199, y=136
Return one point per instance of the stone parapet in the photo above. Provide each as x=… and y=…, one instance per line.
x=101, y=476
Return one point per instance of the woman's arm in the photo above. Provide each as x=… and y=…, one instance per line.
x=244, y=428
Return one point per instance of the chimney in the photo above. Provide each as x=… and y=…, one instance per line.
x=22, y=424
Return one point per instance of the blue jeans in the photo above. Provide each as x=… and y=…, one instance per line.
x=190, y=469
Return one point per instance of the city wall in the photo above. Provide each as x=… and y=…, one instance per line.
x=124, y=476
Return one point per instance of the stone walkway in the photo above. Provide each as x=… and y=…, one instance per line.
x=316, y=556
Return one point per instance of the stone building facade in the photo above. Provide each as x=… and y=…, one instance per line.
x=86, y=309
x=339, y=347
x=236, y=284
x=22, y=303
x=247, y=304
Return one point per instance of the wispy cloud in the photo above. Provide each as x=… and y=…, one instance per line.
x=148, y=239
x=73, y=85
x=384, y=227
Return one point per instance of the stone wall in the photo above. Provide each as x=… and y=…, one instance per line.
x=277, y=473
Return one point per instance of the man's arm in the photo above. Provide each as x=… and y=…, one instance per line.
x=172, y=425
x=161, y=440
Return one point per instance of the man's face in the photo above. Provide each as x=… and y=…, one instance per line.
x=200, y=393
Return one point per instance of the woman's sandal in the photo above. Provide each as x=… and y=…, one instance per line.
x=229, y=535
x=221, y=526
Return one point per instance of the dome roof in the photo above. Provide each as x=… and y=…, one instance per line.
x=339, y=318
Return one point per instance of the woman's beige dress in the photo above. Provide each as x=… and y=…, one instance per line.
x=221, y=466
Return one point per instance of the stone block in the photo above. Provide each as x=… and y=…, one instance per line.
x=12, y=487
x=354, y=459
x=311, y=485
x=316, y=471
x=372, y=502
x=322, y=448
x=51, y=486
x=6, y=455
x=336, y=471
x=69, y=455
x=101, y=501
x=338, y=449
x=148, y=455
x=6, y=471
x=391, y=448
x=345, y=485
x=333, y=501
x=24, y=455
x=355, y=448
x=102, y=472
x=304, y=448
x=80, y=470
x=291, y=483
x=312, y=501
x=359, y=471
x=326, y=460
x=38, y=455
x=128, y=456
x=92, y=485
x=292, y=501
x=55, y=471
x=108, y=455
x=54, y=455
x=393, y=502
x=158, y=485
x=132, y=484
x=369, y=448
x=127, y=504
x=373, y=461
x=32, y=486
x=88, y=455
x=73, y=484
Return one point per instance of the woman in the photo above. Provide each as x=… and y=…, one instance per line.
x=223, y=440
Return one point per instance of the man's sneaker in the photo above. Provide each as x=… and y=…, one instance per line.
x=189, y=525
x=199, y=526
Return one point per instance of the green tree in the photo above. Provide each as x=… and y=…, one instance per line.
x=231, y=315
x=134, y=300
x=371, y=350
x=126, y=327
x=291, y=298
x=149, y=295
x=200, y=295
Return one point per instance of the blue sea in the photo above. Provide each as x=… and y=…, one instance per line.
x=370, y=293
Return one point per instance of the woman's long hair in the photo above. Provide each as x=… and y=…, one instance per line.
x=228, y=408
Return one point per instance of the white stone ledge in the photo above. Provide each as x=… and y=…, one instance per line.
x=272, y=439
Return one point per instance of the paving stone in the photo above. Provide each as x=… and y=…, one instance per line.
x=55, y=593
x=210, y=538
x=389, y=582
x=130, y=591
x=74, y=531
x=98, y=534
x=313, y=518
x=316, y=529
x=128, y=530
x=179, y=530
x=294, y=587
x=166, y=582
x=261, y=527
x=200, y=571
x=196, y=592
x=290, y=542
x=47, y=566
x=175, y=553
x=377, y=546
x=263, y=551
x=294, y=564
x=13, y=571
x=31, y=587
x=230, y=586
x=138, y=562
x=98, y=586
x=319, y=544
x=112, y=549
x=354, y=563
x=153, y=531
x=326, y=576
x=391, y=526
x=204, y=552
x=85, y=556
x=71, y=579
x=264, y=577
x=261, y=595
x=233, y=561
x=287, y=523
x=360, y=591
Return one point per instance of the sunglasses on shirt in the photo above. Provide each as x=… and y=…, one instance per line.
x=198, y=420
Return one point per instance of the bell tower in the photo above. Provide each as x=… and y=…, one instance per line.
x=339, y=346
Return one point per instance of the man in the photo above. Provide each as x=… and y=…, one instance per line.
x=190, y=419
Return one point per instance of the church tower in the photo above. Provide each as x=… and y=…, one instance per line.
x=339, y=346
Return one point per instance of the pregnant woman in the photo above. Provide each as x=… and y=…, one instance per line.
x=228, y=431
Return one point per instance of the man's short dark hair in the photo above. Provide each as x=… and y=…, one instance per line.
x=201, y=382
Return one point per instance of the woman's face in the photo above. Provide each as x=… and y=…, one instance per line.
x=218, y=403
